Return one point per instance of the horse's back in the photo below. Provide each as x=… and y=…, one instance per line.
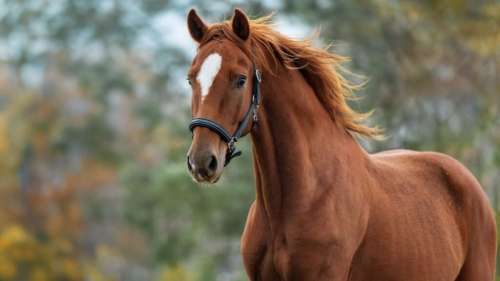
x=434, y=168
x=438, y=174
x=427, y=214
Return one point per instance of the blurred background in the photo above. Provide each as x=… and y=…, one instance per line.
x=94, y=109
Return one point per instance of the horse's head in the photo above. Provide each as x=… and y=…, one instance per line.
x=222, y=78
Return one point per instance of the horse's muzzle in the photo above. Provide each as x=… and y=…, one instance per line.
x=203, y=166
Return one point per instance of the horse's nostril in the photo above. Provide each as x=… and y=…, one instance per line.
x=213, y=163
x=190, y=168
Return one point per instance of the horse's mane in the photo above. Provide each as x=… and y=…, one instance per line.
x=319, y=67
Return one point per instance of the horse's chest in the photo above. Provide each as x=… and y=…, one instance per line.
x=280, y=255
x=275, y=262
x=266, y=257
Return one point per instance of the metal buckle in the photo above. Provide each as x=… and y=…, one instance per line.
x=258, y=75
x=255, y=111
x=230, y=144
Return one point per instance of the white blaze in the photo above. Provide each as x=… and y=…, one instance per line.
x=209, y=69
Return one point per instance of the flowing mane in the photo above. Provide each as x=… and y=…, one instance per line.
x=318, y=66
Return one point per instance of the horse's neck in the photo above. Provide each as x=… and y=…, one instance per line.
x=299, y=153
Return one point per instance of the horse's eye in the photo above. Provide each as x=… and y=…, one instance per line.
x=189, y=81
x=241, y=81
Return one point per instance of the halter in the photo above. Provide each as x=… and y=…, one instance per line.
x=223, y=133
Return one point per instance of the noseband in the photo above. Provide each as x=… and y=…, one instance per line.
x=223, y=133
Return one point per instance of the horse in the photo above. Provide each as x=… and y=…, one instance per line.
x=325, y=209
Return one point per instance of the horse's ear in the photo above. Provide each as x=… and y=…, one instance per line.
x=241, y=25
x=197, y=28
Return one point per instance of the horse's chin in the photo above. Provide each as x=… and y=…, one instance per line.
x=207, y=181
x=216, y=179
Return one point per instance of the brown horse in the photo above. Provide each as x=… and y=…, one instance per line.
x=325, y=209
